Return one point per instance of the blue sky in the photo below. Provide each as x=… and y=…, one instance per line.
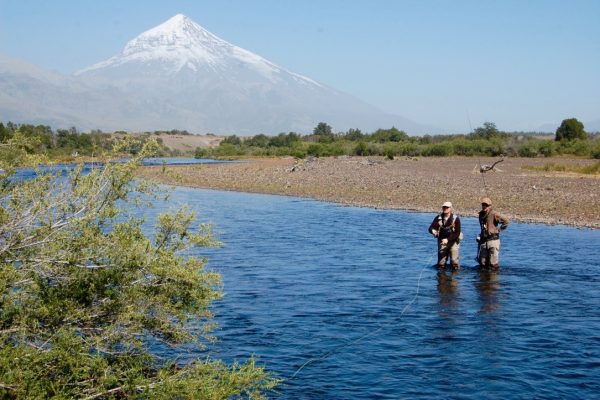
x=519, y=64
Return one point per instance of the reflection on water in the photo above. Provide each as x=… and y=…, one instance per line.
x=447, y=285
x=488, y=287
x=351, y=290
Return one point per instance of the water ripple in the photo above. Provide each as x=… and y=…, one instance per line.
x=320, y=294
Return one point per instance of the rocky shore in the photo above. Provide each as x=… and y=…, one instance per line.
x=419, y=184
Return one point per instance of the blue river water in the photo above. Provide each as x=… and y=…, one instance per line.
x=28, y=173
x=344, y=303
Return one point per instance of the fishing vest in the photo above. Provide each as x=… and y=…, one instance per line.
x=446, y=228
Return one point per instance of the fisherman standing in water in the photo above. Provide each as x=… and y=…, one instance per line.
x=489, y=238
x=446, y=228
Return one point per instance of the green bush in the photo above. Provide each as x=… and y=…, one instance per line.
x=472, y=147
x=257, y=141
x=577, y=147
x=283, y=140
x=388, y=135
x=86, y=293
x=335, y=149
x=390, y=150
x=361, y=149
x=595, y=149
x=232, y=140
x=463, y=147
x=202, y=152
x=547, y=148
x=495, y=147
x=437, y=150
x=298, y=152
x=354, y=135
x=409, y=149
x=315, y=149
x=229, y=150
x=528, y=150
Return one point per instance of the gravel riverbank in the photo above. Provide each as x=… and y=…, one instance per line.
x=421, y=184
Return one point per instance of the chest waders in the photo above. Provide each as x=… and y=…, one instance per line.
x=478, y=256
x=484, y=235
x=487, y=259
x=448, y=230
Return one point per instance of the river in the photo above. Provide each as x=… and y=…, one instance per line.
x=344, y=303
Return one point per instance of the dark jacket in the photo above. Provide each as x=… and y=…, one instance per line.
x=448, y=228
x=489, y=221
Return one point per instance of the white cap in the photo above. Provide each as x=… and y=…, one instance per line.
x=447, y=204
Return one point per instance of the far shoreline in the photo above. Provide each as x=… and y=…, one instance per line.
x=410, y=184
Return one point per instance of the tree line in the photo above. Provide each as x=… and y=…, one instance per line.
x=486, y=140
x=65, y=143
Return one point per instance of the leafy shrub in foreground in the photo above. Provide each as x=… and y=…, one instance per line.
x=84, y=292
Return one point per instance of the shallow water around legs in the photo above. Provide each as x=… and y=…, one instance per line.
x=344, y=303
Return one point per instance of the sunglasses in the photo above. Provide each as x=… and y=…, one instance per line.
x=484, y=205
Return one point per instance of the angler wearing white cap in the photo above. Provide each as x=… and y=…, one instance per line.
x=446, y=228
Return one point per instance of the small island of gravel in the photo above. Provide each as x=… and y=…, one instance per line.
x=419, y=184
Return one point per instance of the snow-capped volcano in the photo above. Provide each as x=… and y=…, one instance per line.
x=178, y=75
x=180, y=43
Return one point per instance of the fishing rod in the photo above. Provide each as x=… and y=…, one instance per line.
x=484, y=189
x=478, y=159
x=361, y=338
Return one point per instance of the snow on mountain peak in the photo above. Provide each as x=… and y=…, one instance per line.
x=180, y=43
x=179, y=32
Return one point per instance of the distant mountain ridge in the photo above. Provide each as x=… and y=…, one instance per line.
x=180, y=76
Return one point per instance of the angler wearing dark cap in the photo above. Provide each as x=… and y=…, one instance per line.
x=489, y=238
x=446, y=228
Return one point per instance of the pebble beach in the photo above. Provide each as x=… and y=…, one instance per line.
x=417, y=184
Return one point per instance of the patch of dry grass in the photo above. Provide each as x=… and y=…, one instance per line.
x=593, y=169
